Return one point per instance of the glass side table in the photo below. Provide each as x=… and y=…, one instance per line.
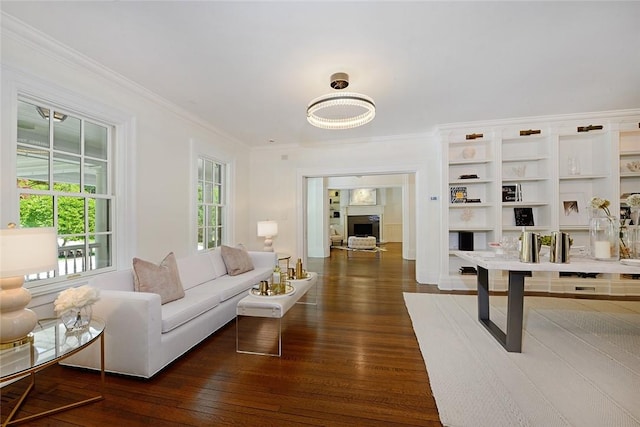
x=48, y=344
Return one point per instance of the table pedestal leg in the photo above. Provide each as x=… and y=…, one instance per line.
x=512, y=339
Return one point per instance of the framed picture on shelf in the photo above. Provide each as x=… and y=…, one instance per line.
x=625, y=212
x=573, y=209
x=458, y=194
x=524, y=217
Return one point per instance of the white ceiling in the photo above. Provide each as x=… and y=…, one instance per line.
x=250, y=68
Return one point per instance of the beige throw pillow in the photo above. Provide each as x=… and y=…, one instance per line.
x=237, y=260
x=162, y=279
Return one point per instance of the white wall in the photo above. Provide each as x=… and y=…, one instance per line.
x=162, y=139
x=392, y=214
x=284, y=169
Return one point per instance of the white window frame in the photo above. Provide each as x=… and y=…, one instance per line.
x=21, y=85
x=208, y=151
x=84, y=250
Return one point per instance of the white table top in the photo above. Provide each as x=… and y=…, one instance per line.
x=491, y=261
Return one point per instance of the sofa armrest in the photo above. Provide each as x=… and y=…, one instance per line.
x=263, y=259
x=132, y=334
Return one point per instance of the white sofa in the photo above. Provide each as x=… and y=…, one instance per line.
x=142, y=336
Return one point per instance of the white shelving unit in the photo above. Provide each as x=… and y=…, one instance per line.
x=558, y=164
x=335, y=210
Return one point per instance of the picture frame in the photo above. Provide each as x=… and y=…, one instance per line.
x=524, y=217
x=362, y=197
x=573, y=209
x=625, y=212
x=458, y=194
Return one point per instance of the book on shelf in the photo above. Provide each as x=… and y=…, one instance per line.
x=512, y=193
x=458, y=194
x=523, y=216
x=508, y=193
x=468, y=271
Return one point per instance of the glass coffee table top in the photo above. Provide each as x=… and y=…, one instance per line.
x=51, y=343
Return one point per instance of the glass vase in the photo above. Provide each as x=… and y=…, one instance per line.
x=77, y=319
x=635, y=216
x=626, y=240
x=604, y=238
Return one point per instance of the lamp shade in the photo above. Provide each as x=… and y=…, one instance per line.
x=27, y=250
x=267, y=228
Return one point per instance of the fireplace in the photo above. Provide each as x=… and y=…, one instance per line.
x=364, y=225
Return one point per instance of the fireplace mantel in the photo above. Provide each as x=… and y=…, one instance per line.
x=364, y=210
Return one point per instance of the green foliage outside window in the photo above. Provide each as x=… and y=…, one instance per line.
x=37, y=210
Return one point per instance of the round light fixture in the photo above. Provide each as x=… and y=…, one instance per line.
x=341, y=110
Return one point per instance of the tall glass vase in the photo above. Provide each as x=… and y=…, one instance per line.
x=635, y=215
x=604, y=237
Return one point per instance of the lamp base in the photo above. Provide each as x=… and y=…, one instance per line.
x=268, y=244
x=17, y=343
x=16, y=321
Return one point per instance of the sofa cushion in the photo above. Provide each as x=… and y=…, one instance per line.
x=229, y=286
x=162, y=279
x=196, y=301
x=196, y=269
x=218, y=262
x=237, y=260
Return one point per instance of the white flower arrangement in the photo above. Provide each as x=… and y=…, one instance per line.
x=75, y=298
x=633, y=201
x=598, y=203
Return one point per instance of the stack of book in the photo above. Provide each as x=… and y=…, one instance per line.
x=468, y=270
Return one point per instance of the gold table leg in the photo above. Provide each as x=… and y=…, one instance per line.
x=10, y=421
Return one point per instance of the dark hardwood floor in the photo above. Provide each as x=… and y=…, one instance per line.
x=352, y=360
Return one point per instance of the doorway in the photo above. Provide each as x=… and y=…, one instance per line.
x=394, y=209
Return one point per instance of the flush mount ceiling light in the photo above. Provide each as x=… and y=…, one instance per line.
x=341, y=110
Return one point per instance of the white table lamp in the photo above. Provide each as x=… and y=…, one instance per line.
x=267, y=229
x=22, y=251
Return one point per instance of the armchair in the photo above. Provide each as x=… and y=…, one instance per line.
x=334, y=236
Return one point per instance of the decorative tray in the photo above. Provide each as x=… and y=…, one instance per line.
x=307, y=275
x=256, y=292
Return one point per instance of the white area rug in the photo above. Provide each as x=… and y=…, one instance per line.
x=579, y=366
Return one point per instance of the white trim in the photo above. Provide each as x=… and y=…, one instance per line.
x=553, y=119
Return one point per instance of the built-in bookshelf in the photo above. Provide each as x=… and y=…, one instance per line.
x=502, y=178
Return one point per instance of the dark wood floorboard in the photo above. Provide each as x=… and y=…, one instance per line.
x=351, y=361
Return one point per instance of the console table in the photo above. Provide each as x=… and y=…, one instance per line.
x=511, y=340
x=48, y=344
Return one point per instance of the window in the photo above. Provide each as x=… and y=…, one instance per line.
x=63, y=175
x=210, y=203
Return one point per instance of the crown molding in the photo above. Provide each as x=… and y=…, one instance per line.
x=35, y=39
x=553, y=119
x=350, y=141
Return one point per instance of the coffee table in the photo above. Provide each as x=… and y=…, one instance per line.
x=48, y=344
x=273, y=308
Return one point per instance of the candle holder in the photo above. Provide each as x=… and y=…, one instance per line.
x=603, y=238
